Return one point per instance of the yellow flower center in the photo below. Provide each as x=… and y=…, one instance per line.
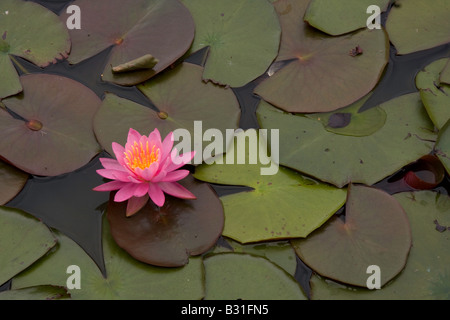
x=140, y=156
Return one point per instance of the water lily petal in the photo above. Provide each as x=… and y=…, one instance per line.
x=156, y=194
x=176, y=190
x=155, y=136
x=179, y=161
x=118, y=152
x=114, y=174
x=113, y=164
x=133, y=136
x=147, y=174
x=126, y=192
x=167, y=146
x=175, y=175
x=141, y=189
x=110, y=186
x=135, y=204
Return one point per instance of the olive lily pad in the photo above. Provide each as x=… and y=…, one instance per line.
x=32, y=32
x=426, y=275
x=376, y=231
x=445, y=74
x=23, y=240
x=12, y=182
x=243, y=37
x=231, y=276
x=435, y=95
x=169, y=235
x=321, y=72
x=36, y=293
x=337, y=17
x=133, y=28
x=181, y=98
x=305, y=145
x=414, y=25
x=443, y=146
x=281, y=205
x=54, y=133
x=125, y=279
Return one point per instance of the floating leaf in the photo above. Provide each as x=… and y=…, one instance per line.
x=54, y=135
x=337, y=17
x=376, y=231
x=36, y=293
x=243, y=37
x=23, y=240
x=32, y=32
x=145, y=62
x=169, y=235
x=445, y=74
x=282, y=205
x=126, y=278
x=232, y=276
x=435, y=95
x=307, y=146
x=443, y=146
x=181, y=97
x=320, y=73
x=133, y=28
x=426, y=275
x=413, y=25
x=12, y=181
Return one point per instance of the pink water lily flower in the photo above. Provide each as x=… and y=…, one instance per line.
x=145, y=168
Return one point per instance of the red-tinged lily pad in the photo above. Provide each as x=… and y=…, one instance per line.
x=322, y=73
x=134, y=28
x=12, y=180
x=32, y=32
x=426, y=173
x=181, y=96
x=243, y=37
x=376, y=231
x=415, y=25
x=169, y=235
x=54, y=135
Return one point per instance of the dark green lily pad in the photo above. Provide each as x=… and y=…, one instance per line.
x=435, y=95
x=32, y=32
x=282, y=205
x=321, y=73
x=55, y=134
x=414, y=25
x=36, y=293
x=181, y=96
x=243, y=37
x=126, y=278
x=231, y=276
x=376, y=231
x=134, y=28
x=169, y=235
x=305, y=145
x=426, y=275
x=12, y=181
x=23, y=240
x=445, y=74
x=336, y=17
x=443, y=146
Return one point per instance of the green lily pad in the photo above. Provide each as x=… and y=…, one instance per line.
x=445, y=74
x=426, y=275
x=133, y=28
x=376, y=231
x=280, y=253
x=12, y=182
x=321, y=73
x=337, y=17
x=435, y=95
x=243, y=37
x=182, y=98
x=55, y=135
x=282, y=205
x=169, y=235
x=443, y=146
x=125, y=279
x=36, y=293
x=32, y=32
x=231, y=276
x=23, y=240
x=305, y=145
x=414, y=25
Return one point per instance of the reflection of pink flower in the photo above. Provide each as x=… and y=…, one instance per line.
x=145, y=167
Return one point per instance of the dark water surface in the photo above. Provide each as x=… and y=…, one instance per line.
x=67, y=202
